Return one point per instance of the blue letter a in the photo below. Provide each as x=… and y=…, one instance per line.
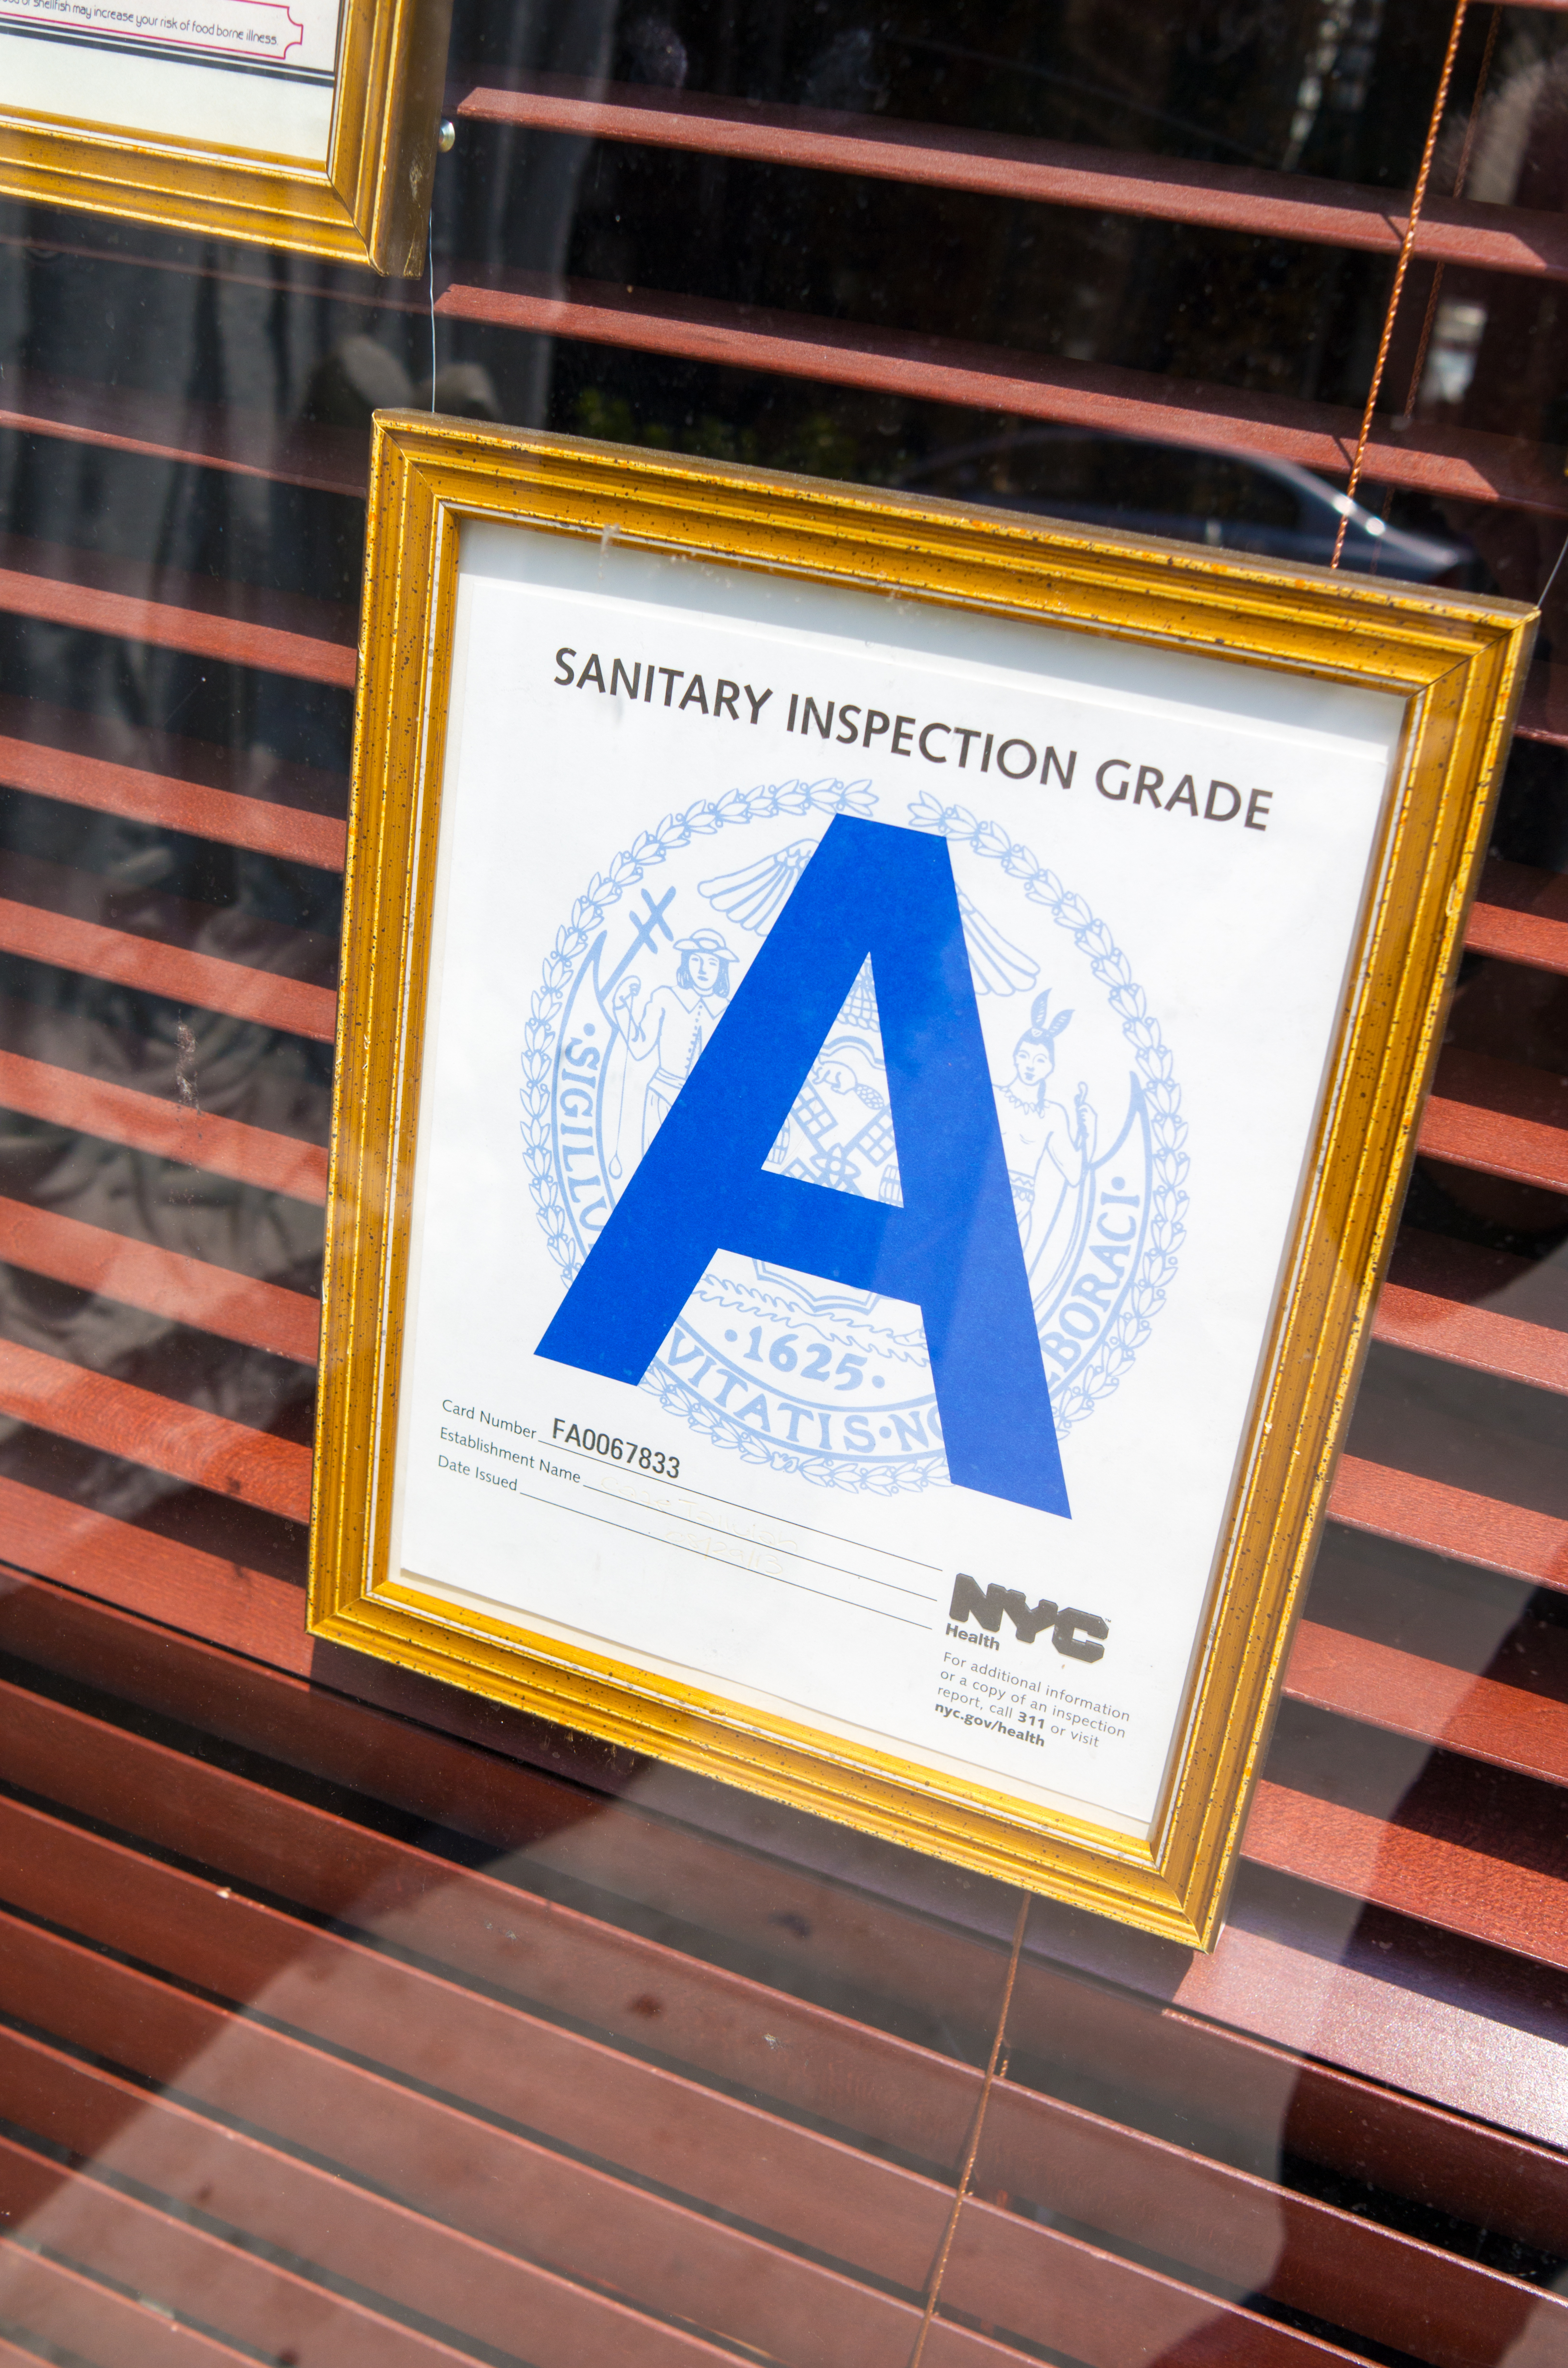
x=952, y=1248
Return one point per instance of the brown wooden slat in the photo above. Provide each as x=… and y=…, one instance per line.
x=118, y=2237
x=1250, y=1981
x=184, y=1290
x=1360, y=1677
x=179, y=1585
x=195, y=1138
x=158, y=779
x=573, y=2220
x=1450, y=1522
x=188, y=1442
x=1434, y=1877
x=1500, y=1117
x=158, y=800
x=232, y=932
x=1430, y=1304
x=201, y=615
x=1535, y=1290
x=999, y=2273
x=737, y=2030
x=165, y=803
x=13, y=2356
x=805, y=2187
x=1048, y=172
x=508, y=2190
x=571, y=2211
x=227, y=436
x=812, y=2191
x=1205, y=2066
x=430, y=2028
x=1521, y=914
x=1486, y=1342
x=991, y=2274
x=291, y=1004
x=57, y=2305
x=1462, y=464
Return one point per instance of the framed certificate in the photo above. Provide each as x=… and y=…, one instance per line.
x=309, y=124
x=879, y=1052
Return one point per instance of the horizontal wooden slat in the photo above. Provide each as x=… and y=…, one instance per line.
x=226, y=437
x=59, y=2305
x=13, y=2356
x=232, y=932
x=1434, y=1301
x=577, y=2217
x=810, y=2190
x=1499, y=1117
x=198, y=615
x=195, y=1138
x=164, y=801
x=1521, y=914
x=272, y=2310
x=795, y=2183
x=254, y=1611
x=292, y=1004
x=739, y=2031
x=474, y=2050
x=990, y=2274
x=1047, y=172
x=1450, y=1522
x=1434, y=1877
x=1359, y=1678
x=188, y=1442
x=1532, y=1290
x=578, y=2221
x=184, y=1290
x=1486, y=1342
x=1464, y=464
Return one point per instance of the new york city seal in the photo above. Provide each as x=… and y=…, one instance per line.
x=831, y=1382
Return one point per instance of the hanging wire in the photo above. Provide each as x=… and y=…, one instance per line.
x=1406, y=248
x=1540, y=596
x=431, y=251
x=1460, y=178
x=996, y=2069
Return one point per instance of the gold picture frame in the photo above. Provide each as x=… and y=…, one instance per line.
x=368, y=202
x=1454, y=663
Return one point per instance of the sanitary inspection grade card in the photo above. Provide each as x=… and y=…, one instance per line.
x=878, y=1046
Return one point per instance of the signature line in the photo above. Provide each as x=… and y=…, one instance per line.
x=583, y=1513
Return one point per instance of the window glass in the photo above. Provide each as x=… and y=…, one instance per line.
x=764, y=2041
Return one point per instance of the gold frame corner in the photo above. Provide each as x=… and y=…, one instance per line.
x=368, y=203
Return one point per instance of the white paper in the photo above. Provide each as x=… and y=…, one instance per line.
x=253, y=75
x=1159, y=987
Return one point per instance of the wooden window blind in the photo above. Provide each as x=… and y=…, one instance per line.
x=343, y=2018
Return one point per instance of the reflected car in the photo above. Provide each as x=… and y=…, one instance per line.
x=1236, y=501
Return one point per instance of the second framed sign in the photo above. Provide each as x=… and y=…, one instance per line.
x=879, y=1046
x=304, y=124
